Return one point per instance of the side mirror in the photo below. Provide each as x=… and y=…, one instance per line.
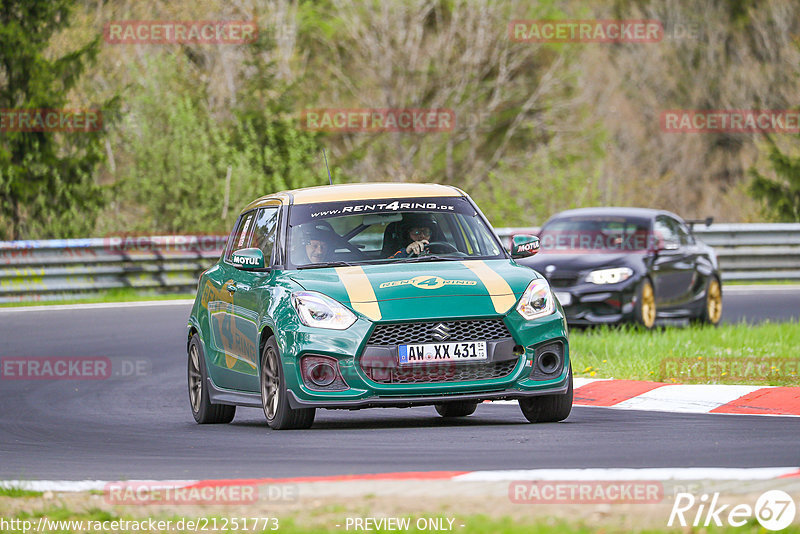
x=662, y=246
x=248, y=259
x=524, y=246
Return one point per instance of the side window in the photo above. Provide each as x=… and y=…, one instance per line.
x=240, y=238
x=666, y=231
x=681, y=235
x=686, y=236
x=265, y=229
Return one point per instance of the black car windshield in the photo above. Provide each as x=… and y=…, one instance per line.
x=595, y=233
x=388, y=231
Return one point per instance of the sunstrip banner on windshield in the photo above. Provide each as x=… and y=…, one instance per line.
x=303, y=213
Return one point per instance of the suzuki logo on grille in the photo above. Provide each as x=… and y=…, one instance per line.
x=440, y=332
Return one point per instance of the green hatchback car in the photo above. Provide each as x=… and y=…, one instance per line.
x=373, y=295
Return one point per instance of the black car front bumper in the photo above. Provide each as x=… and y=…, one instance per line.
x=591, y=304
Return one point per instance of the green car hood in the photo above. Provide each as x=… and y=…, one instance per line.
x=429, y=290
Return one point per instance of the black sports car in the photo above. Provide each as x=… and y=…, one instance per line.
x=611, y=265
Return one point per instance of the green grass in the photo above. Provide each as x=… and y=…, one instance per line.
x=11, y=491
x=112, y=295
x=764, y=354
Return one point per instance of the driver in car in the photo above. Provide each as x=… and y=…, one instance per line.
x=417, y=230
x=314, y=245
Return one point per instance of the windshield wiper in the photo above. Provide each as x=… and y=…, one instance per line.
x=327, y=264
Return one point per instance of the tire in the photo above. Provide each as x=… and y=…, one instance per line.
x=456, y=409
x=712, y=308
x=548, y=408
x=203, y=411
x=645, y=309
x=274, y=398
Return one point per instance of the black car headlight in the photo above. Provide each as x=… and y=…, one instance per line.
x=537, y=301
x=609, y=276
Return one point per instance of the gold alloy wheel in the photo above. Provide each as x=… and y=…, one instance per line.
x=714, y=301
x=648, y=305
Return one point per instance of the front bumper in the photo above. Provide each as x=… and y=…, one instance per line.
x=407, y=402
x=349, y=346
x=591, y=304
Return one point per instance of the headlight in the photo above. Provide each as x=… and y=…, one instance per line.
x=609, y=276
x=316, y=309
x=537, y=301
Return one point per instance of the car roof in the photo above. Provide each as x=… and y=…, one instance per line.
x=612, y=211
x=359, y=191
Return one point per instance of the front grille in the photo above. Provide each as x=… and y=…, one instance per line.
x=456, y=372
x=476, y=330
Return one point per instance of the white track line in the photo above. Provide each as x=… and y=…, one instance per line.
x=99, y=305
x=758, y=288
x=87, y=485
x=594, y=474
x=678, y=473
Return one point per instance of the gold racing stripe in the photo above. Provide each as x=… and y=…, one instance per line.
x=502, y=296
x=359, y=291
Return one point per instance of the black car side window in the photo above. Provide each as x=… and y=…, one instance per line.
x=678, y=231
x=266, y=227
x=666, y=231
x=686, y=235
x=240, y=238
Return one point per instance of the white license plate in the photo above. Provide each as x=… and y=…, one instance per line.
x=564, y=298
x=442, y=352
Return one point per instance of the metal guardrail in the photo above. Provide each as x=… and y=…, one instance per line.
x=53, y=269
x=745, y=251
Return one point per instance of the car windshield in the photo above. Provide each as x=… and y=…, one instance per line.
x=388, y=231
x=595, y=233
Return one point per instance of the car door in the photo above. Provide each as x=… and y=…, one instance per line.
x=252, y=296
x=232, y=327
x=690, y=280
x=673, y=265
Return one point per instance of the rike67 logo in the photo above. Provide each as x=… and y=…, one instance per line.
x=774, y=510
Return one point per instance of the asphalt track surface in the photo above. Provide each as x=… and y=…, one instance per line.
x=140, y=426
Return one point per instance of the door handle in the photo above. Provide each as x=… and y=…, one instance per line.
x=231, y=288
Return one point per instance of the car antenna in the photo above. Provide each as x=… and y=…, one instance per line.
x=330, y=180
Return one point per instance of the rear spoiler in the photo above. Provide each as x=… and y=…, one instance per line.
x=691, y=222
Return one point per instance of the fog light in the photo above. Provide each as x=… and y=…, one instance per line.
x=549, y=362
x=322, y=374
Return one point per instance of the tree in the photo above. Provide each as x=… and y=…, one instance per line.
x=47, y=185
x=782, y=193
